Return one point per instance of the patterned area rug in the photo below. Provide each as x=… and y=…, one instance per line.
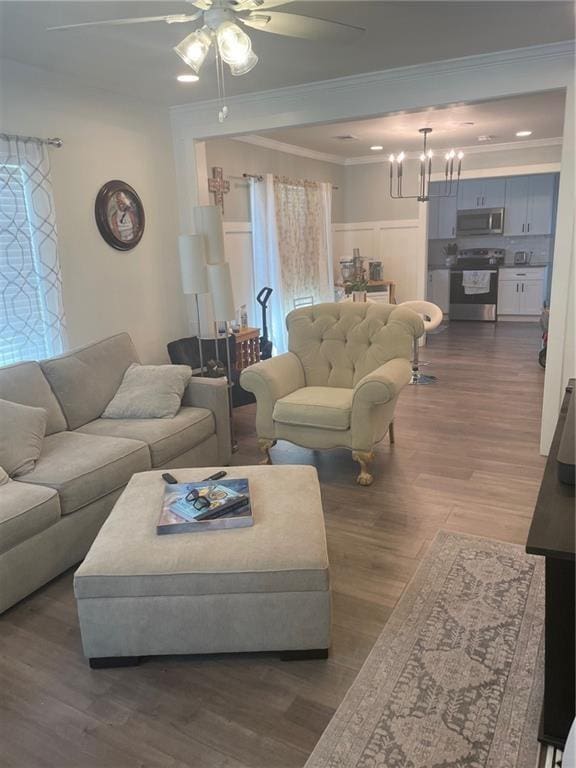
x=455, y=678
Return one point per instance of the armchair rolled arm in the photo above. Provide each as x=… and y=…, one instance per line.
x=270, y=380
x=213, y=395
x=276, y=377
x=409, y=319
x=383, y=384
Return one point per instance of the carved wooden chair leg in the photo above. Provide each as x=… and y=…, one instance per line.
x=364, y=458
x=264, y=448
x=391, y=435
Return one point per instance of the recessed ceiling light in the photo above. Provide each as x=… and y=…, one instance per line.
x=486, y=137
x=376, y=148
x=187, y=78
x=521, y=134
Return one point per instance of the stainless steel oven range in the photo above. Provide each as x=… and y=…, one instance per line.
x=474, y=284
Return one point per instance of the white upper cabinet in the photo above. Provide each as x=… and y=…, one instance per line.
x=541, y=204
x=441, y=217
x=494, y=195
x=470, y=194
x=447, y=217
x=529, y=205
x=516, y=207
x=481, y=193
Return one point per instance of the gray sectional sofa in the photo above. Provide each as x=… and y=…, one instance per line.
x=50, y=516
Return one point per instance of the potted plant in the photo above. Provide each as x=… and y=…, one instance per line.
x=358, y=290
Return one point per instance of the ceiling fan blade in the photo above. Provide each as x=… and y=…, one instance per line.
x=257, y=5
x=308, y=27
x=179, y=18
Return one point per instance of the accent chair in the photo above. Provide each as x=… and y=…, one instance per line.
x=338, y=385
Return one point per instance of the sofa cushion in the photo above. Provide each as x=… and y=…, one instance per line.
x=322, y=407
x=83, y=468
x=167, y=438
x=85, y=380
x=21, y=436
x=25, y=510
x=3, y=476
x=149, y=392
x=25, y=383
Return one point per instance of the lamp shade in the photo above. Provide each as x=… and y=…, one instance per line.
x=220, y=282
x=208, y=221
x=193, y=264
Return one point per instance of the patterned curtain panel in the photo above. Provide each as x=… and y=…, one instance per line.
x=292, y=247
x=32, y=323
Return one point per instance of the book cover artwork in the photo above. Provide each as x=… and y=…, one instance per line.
x=180, y=516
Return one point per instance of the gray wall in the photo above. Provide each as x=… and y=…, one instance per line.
x=363, y=193
x=237, y=157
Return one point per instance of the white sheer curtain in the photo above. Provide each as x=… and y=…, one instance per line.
x=292, y=246
x=32, y=322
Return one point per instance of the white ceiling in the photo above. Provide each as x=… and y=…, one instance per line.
x=138, y=61
x=541, y=113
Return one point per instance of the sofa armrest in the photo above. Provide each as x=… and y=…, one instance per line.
x=270, y=380
x=383, y=384
x=213, y=395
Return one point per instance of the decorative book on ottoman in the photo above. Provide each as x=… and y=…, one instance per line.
x=205, y=506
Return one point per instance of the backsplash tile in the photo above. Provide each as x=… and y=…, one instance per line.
x=541, y=246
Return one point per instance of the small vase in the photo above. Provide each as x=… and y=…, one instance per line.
x=359, y=296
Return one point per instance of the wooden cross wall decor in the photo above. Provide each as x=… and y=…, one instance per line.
x=218, y=186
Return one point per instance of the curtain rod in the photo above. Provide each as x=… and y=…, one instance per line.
x=55, y=142
x=257, y=177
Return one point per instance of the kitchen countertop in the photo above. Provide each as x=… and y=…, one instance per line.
x=433, y=267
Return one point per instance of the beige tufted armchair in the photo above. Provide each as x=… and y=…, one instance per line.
x=337, y=386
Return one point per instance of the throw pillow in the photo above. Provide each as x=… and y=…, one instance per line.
x=21, y=435
x=3, y=476
x=149, y=392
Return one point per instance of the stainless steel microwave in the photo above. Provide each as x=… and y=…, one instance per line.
x=480, y=221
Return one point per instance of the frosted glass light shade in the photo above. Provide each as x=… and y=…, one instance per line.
x=208, y=222
x=193, y=264
x=194, y=49
x=220, y=282
x=238, y=68
x=233, y=43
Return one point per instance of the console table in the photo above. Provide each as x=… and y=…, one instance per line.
x=552, y=536
x=247, y=347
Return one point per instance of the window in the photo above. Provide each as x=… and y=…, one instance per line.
x=22, y=326
x=31, y=314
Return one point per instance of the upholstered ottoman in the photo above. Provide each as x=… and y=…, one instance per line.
x=263, y=588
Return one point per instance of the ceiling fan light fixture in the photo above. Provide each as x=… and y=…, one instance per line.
x=243, y=67
x=234, y=44
x=194, y=49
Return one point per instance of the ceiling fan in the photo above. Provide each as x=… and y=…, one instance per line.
x=221, y=26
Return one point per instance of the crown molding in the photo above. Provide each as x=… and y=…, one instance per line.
x=295, y=149
x=534, y=68
x=290, y=149
x=473, y=149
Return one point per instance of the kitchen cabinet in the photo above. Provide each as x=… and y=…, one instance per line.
x=521, y=291
x=529, y=205
x=481, y=193
x=442, y=218
x=439, y=288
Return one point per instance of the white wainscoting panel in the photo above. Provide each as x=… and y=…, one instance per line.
x=397, y=244
x=238, y=248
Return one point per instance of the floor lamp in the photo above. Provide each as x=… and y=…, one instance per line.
x=194, y=276
x=220, y=283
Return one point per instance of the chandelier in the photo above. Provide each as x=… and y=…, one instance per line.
x=451, y=174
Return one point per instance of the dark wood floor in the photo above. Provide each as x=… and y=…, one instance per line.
x=465, y=459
